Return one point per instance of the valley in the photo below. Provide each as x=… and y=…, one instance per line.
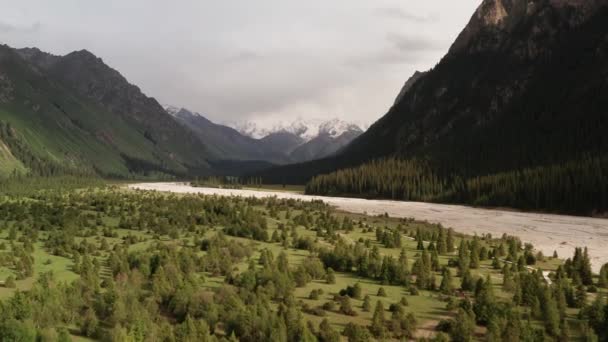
x=547, y=232
x=261, y=206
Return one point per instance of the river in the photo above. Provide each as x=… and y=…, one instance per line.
x=547, y=232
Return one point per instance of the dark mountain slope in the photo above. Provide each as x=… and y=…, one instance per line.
x=281, y=142
x=324, y=145
x=523, y=93
x=227, y=143
x=74, y=112
x=525, y=86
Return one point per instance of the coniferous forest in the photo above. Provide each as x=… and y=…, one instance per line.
x=83, y=260
x=577, y=187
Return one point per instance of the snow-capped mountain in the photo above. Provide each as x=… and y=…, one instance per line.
x=297, y=141
x=171, y=109
x=307, y=129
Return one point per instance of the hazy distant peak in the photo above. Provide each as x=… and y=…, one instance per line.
x=172, y=110
x=307, y=129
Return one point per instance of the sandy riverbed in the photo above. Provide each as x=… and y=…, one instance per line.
x=545, y=231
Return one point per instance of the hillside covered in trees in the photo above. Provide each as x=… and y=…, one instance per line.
x=81, y=260
x=579, y=187
x=517, y=106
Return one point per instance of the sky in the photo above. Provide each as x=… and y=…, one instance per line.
x=260, y=61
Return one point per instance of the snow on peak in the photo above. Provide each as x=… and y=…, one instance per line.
x=307, y=129
x=172, y=110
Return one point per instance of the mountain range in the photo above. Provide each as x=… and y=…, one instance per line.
x=76, y=114
x=513, y=115
x=301, y=140
x=307, y=129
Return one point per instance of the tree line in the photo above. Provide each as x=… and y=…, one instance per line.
x=576, y=187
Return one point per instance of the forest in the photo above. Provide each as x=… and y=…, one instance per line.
x=85, y=261
x=578, y=187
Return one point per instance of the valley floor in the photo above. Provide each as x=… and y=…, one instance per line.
x=547, y=232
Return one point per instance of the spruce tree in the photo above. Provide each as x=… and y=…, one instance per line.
x=446, y=286
x=603, y=277
x=442, y=247
x=550, y=313
x=377, y=327
x=450, y=241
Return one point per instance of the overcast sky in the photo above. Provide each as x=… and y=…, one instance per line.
x=261, y=60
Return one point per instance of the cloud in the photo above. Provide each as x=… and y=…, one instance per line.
x=243, y=56
x=10, y=28
x=409, y=43
x=241, y=59
x=400, y=49
x=400, y=14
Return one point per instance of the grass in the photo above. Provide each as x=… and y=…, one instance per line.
x=427, y=306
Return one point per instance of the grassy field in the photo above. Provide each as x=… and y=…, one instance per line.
x=429, y=307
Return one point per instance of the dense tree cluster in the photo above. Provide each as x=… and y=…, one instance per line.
x=578, y=187
x=143, y=262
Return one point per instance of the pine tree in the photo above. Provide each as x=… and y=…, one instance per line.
x=550, y=313
x=484, y=304
x=603, y=277
x=330, y=276
x=463, y=258
x=446, y=286
x=585, y=271
x=442, y=247
x=450, y=241
x=327, y=333
x=462, y=327
x=367, y=303
x=378, y=320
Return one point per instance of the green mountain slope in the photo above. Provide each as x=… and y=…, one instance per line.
x=76, y=113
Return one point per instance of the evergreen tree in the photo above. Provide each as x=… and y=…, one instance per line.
x=462, y=327
x=603, y=277
x=327, y=333
x=446, y=286
x=367, y=304
x=330, y=276
x=550, y=313
x=377, y=327
x=450, y=241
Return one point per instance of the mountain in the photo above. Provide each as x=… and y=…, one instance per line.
x=74, y=113
x=301, y=140
x=225, y=142
x=306, y=129
x=304, y=140
x=513, y=115
x=408, y=85
x=325, y=144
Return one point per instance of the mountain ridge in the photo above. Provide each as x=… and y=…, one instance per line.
x=75, y=112
x=307, y=129
x=302, y=140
